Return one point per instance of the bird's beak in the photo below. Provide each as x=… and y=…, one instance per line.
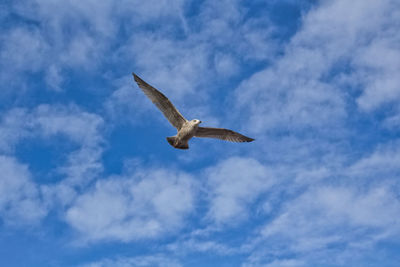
x=200, y=122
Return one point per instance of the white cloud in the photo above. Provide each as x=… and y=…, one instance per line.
x=343, y=56
x=81, y=127
x=174, y=64
x=20, y=200
x=305, y=87
x=22, y=50
x=13, y=128
x=54, y=78
x=127, y=100
x=82, y=51
x=139, y=261
x=334, y=206
x=331, y=210
x=377, y=64
x=224, y=24
x=364, y=33
x=382, y=163
x=76, y=36
x=46, y=121
x=392, y=122
x=278, y=263
x=193, y=245
x=184, y=68
x=78, y=33
x=233, y=185
x=288, y=103
x=58, y=15
x=136, y=206
x=326, y=216
x=226, y=65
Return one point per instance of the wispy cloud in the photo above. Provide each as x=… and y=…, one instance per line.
x=305, y=87
x=46, y=121
x=20, y=200
x=141, y=205
x=317, y=87
x=318, y=219
x=233, y=185
x=142, y=261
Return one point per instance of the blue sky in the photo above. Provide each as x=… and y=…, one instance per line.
x=88, y=179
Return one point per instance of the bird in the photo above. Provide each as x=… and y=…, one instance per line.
x=185, y=129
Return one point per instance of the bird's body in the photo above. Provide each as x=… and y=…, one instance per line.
x=186, y=129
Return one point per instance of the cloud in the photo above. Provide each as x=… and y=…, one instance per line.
x=183, y=64
x=186, y=59
x=135, y=206
x=334, y=213
x=13, y=128
x=22, y=49
x=126, y=100
x=226, y=26
x=234, y=184
x=51, y=38
x=331, y=207
x=226, y=65
x=76, y=34
x=73, y=37
x=139, y=261
x=278, y=263
x=193, y=245
x=81, y=128
x=377, y=65
x=54, y=78
x=382, y=163
x=369, y=32
x=328, y=216
x=392, y=122
x=305, y=87
x=318, y=188
x=20, y=199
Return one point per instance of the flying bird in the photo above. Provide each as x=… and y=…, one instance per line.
x=186, y=129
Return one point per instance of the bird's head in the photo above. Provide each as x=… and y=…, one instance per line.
x=196, y=121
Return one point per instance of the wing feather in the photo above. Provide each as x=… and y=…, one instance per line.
x=162, y=102
x=223, y=134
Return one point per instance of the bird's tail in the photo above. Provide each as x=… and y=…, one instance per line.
x=175, y=142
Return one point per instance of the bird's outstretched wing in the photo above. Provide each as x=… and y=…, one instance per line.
x=223, y=134
x=162, y=102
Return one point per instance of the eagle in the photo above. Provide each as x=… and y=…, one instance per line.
x=186, y=129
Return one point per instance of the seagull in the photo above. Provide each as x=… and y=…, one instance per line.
x=186, y=129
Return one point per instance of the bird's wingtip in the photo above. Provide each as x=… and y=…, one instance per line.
x=136, y=78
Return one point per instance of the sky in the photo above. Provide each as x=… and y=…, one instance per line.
x=88, y=179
